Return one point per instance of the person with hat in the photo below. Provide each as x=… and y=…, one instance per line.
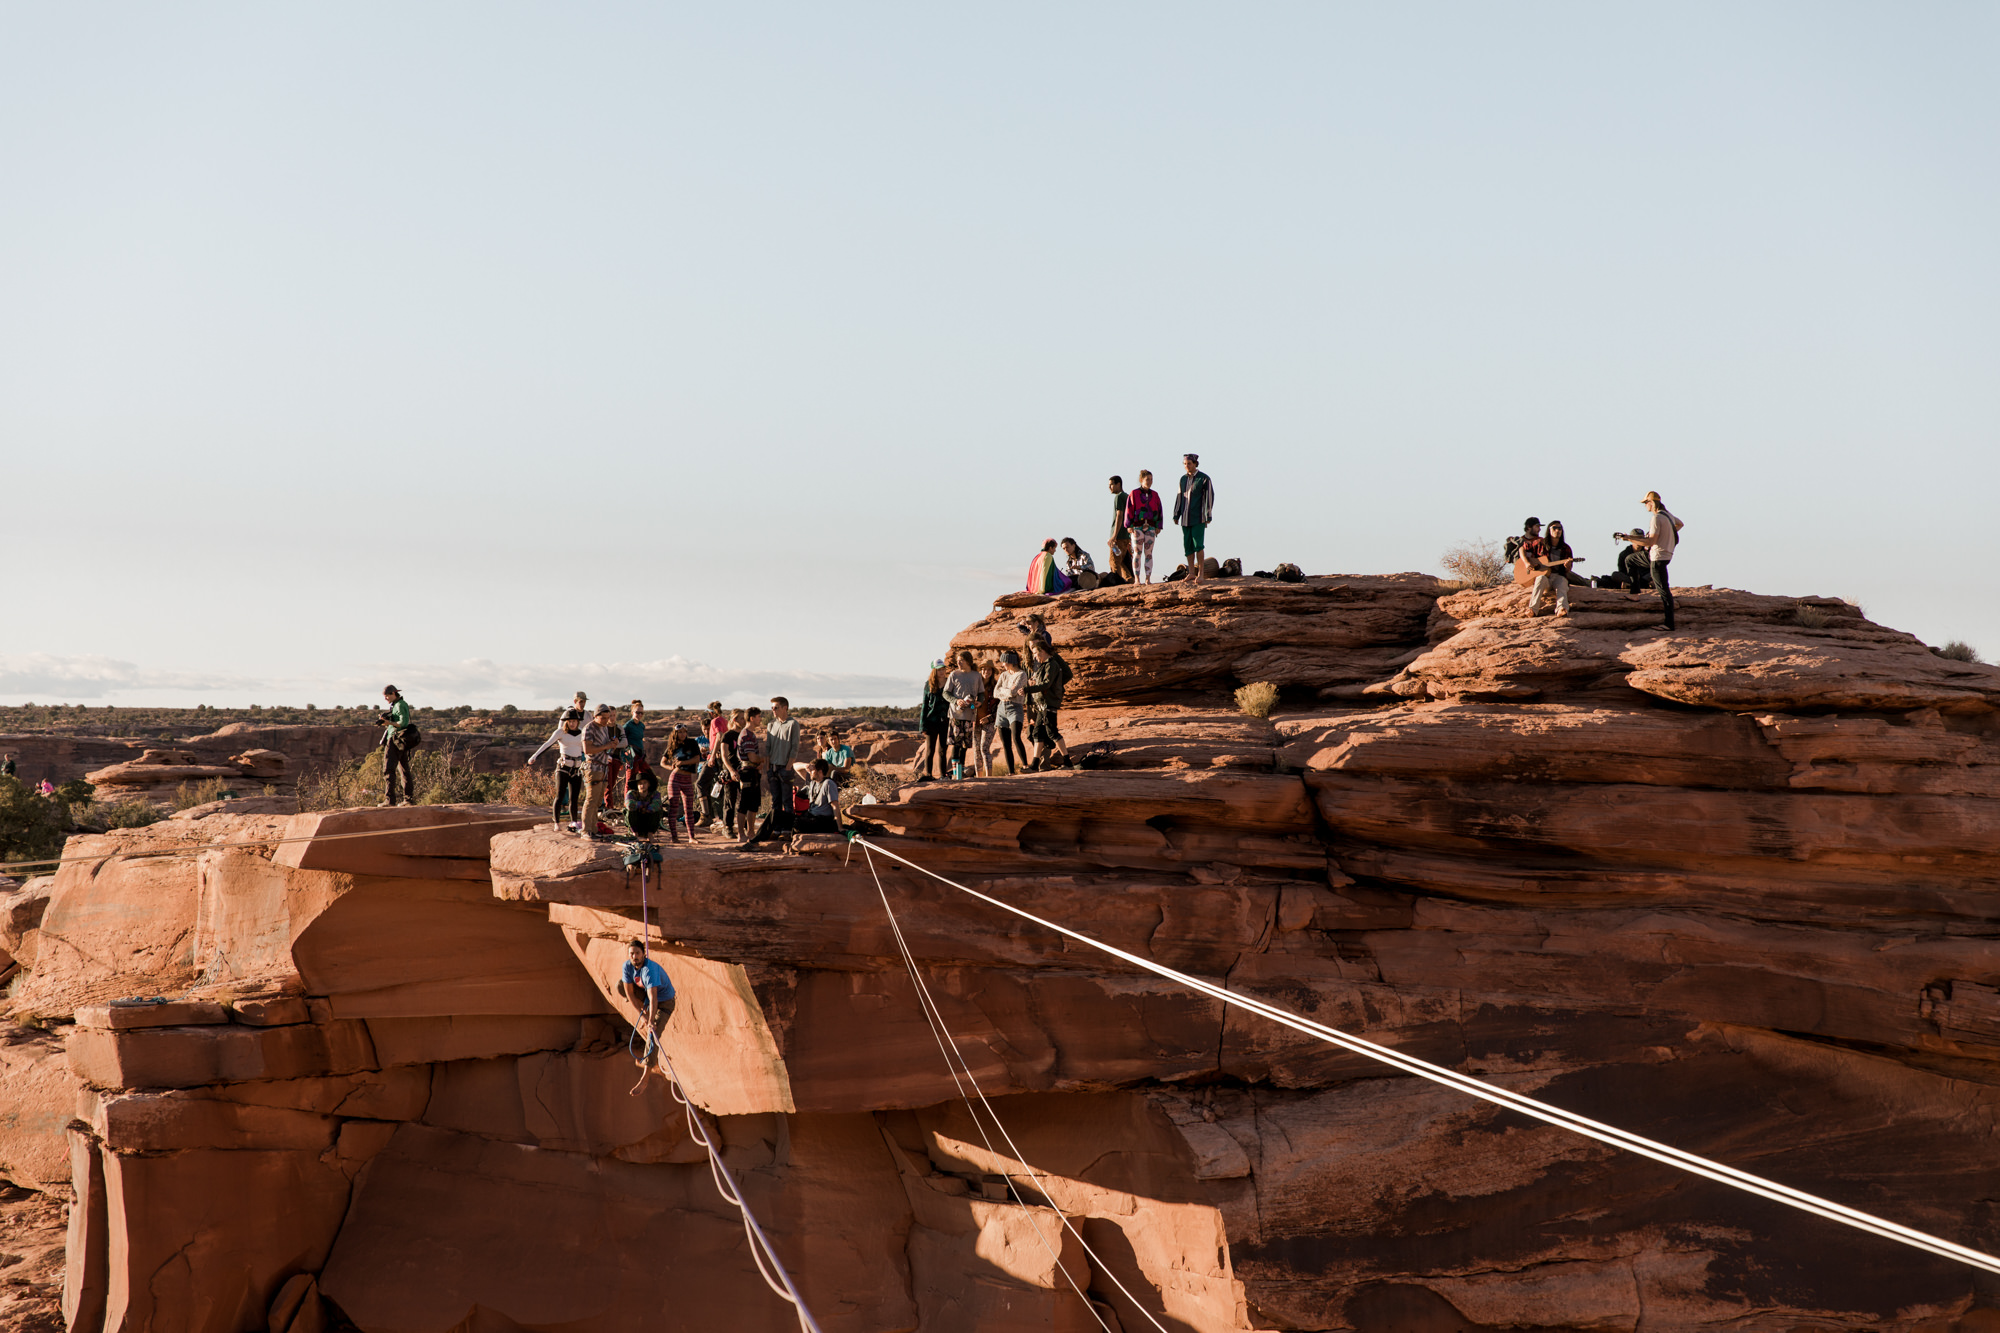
x=399, y=738
x=1194, y=508
x=568, y=740
x=934, y=721
x=601, y=739
x=1661, y=535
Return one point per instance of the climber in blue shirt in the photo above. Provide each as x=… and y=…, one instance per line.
x=644, y=982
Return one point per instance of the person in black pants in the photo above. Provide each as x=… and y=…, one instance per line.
x=1661, y=535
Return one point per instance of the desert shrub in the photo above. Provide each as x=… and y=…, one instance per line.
x=190, y=794
x=124, y=814
x=1476, y=564
x=32, y=826
x=442, y=775
x=1810, y=616
x=1958, y=650
x=1259, y=699
x=530, y=786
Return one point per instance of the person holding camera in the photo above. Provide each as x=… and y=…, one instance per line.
x=399, y=739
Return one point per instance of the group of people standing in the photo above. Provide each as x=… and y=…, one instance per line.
x=1137, y=518
x=717, y=771
x=967, y=704
x=1547, y=557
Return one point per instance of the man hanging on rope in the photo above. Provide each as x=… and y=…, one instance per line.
x=644, y=984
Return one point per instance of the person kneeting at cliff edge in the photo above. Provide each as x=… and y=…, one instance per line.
x=399, y=738
x=644, y=985
x=1194, y=506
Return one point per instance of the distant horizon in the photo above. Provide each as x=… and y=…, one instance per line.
x=754, y=349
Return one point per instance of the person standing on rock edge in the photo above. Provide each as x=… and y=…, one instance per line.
x=1194, y=507
x=600, y=739
x=729, y=788
x=1118, y=549
x=1045, y=690
x=749, y=763
x=934, y=721
x=399, y=737
x=1661, y=535
x=983, y=717
x=1143, y=520
x=1010, y=691
x=963, y=690
x=568, y=740
x=781, y=747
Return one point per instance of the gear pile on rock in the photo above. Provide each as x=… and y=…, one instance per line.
x=1734, y=888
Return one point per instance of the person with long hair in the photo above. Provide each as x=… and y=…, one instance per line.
x=730, y=777
x=568, y=740
x=1045, y=573
x=963, y=689
x=1662, y=535
x=983, y=720
x=1010, y=696
x=682, y=756
x=934, y=721
x=1553, y=564
x=1144, y=518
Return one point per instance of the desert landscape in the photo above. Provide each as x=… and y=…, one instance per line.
x=1732, y=889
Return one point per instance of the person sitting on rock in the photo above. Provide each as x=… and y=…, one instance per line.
x=568, y=740
x=398, y=740
x=644, y=985
x=643, y=813
x=1553, y=562
x=1044, y=576
x=822, y=801
x=1082, y=570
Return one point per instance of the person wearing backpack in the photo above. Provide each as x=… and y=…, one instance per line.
x=1045, y=694
x=1143, y=520
x=1194, y=509
x=934, y=721
x=400, y=738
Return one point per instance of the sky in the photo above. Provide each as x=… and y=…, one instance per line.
x=499, y=349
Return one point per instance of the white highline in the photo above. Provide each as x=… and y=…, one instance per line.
x=1554, y=1115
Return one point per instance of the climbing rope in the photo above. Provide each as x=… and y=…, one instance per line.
x=1514, y=1101
x=954, y=1059
x=768, y=1266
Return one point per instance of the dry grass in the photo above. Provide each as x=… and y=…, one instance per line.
x=1259, y=699
x=1475, y=564
x=441, y=774
x=190, y=794
x=1958, y=650
x=531, y=787
x=1810, y=616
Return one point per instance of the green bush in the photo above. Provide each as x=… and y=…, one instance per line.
x=32, y=826
x=442, y=777
x=124, y=814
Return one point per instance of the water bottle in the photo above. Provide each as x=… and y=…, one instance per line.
x=958, y=772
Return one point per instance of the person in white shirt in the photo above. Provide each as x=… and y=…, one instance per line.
x=568, y=740
x=1080, y=566
x=1010, y=695
x=962, y=690
x=1661, y=535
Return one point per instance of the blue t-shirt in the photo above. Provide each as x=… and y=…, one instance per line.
x=655, y=977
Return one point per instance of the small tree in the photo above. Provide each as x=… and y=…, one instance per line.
x=1476, y=564
x=1958, y=650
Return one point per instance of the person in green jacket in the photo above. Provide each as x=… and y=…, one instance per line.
x=398, y=740
x=933, y=720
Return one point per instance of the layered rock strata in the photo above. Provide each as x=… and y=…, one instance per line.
x=1731, y=888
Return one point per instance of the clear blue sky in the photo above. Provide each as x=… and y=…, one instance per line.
x=495, y=348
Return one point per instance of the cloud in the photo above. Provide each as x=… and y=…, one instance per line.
x=666, y=682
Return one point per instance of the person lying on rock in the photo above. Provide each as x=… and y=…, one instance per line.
x=644, y=985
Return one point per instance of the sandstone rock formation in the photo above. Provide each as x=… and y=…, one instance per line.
x=1732, y=888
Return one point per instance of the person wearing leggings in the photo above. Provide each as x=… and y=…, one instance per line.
x=682, y=757
x=568, y=740
x=1143, y=520
x=1010, y=691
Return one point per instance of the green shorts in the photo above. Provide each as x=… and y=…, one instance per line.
x=1191, y=536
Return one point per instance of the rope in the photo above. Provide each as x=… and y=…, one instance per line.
x=1514, y=1101
x=195, y=849
x=953, y=1058
x=760, y=1244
